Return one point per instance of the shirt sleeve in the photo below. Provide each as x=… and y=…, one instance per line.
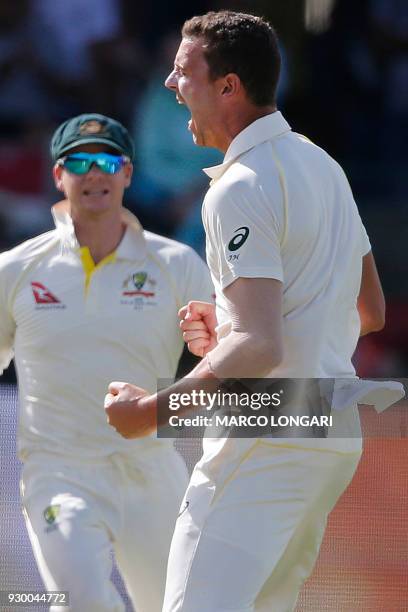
x=7, y=324
x=366, y=245
x=244, y=234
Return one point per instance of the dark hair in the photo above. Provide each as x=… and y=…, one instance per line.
x=243, y=44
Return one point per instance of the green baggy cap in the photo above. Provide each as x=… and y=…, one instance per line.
x=91, y=128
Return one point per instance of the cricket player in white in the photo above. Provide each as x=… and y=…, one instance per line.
x=94, y=299
x=296, y=285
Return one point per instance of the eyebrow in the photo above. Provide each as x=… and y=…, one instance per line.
x=178, y=65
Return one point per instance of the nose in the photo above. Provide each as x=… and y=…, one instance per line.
x=171, y=81
x=94, y=170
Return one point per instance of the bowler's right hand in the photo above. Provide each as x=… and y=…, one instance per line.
x=198, y=323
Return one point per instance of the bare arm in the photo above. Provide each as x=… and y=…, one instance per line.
x=254, y=346
x=370, y=302
x=251, y=350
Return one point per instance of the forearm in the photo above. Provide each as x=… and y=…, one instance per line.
x=251, y=349
x=370, y=322
x=367, y=328
x=371, y=301
x=200, y=379
x=239, y=356
x=244, y=355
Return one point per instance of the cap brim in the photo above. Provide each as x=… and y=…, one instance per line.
x=92, y=140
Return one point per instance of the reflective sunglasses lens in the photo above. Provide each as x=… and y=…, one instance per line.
x=109, y=166
x=80, y=163
x=77, y=166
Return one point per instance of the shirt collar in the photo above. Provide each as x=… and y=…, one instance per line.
x=259, y=131
x=132, y=246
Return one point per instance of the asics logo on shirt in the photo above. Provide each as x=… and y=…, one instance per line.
x=238, y=240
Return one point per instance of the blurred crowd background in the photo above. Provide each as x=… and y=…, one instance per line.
x=344, y=84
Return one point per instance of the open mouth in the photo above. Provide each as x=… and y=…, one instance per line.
x=95, y=192
x=191, y=125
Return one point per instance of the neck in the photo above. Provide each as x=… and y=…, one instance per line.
x=238, y=121
x=101, y=234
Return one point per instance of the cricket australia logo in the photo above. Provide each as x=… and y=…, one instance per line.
x=92, y=127
x=140, y=287
x=51, y=514
x=139, y=280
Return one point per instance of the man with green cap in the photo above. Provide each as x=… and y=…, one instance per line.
x=93, y=300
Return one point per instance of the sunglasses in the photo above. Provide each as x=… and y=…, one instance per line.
x=81, y=163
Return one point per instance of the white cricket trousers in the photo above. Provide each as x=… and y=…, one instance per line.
x=77, y=511
x=251, y=525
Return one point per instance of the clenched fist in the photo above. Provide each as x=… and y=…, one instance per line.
x=130, y=410
x=198, y=322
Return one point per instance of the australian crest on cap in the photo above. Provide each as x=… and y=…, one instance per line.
x=91, y=127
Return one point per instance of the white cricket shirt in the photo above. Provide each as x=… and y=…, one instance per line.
x=280, y=207
x=74, y=328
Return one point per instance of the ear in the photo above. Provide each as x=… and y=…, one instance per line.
x=128, y=171
x=57, y=174
x=230, y=84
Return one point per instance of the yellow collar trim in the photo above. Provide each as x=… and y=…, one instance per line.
x=89, y=266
